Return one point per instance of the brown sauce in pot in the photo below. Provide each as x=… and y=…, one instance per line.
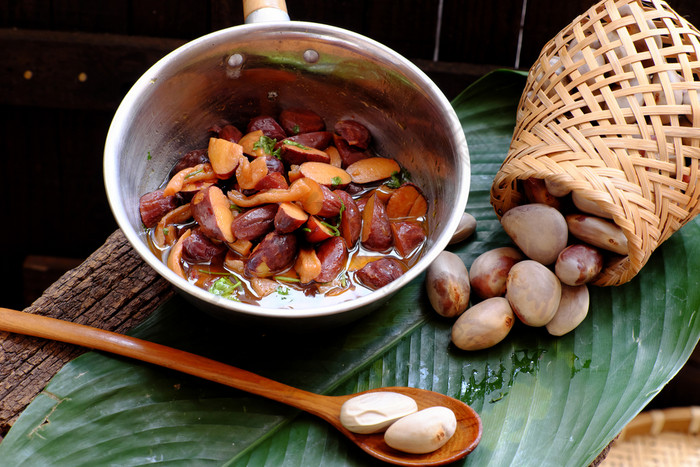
x=244, y=270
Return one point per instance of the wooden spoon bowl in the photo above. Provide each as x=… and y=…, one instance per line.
x=464, y=440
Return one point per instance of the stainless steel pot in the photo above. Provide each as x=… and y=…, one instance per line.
x=261, y=68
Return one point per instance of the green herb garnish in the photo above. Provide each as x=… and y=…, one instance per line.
x=296, y=129
x=165, y=231
x=286, y=279
x=335, y=181
x=282, y=290
x=399, y=178
x=267, y=145
x=192, y=174
x=294, y=143
x=149, y=156
x=333, y=228
x=223, y=287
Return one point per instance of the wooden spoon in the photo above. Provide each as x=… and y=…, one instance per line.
x=464, y=440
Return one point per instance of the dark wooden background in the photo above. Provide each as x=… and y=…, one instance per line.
x=66, y=64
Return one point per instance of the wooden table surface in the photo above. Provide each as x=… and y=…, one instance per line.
x=113, y=289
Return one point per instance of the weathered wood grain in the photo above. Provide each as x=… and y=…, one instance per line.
x=113, y=289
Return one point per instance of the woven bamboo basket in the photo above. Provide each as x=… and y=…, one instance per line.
x=668, y=437
x=611, y=110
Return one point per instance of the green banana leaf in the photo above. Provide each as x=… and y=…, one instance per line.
x=543, y=400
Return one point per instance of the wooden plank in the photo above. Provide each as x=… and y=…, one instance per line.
x=104, y=16
x=58, y=204
x=407, y=27
x=129, y=290
x=25, y=14
x=453, y=78
x=225, y=14
x=346, y=14
x=11, y=273
x=184, y=19
x=480, y=32
x=74, y=70
x=77, y=176
x=40, y=272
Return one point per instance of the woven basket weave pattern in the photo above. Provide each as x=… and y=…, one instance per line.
x=611, y=109
x=668, y=437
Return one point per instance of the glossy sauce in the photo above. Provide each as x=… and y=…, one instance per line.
x=288, y=292
x=284, y=144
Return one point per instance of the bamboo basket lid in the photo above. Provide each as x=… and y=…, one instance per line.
x=668, y=437
x=611, y=110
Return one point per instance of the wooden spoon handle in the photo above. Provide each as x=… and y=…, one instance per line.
x=29, y=324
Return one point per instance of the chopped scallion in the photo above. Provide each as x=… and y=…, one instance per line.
x=286, y=279
x=333, y=228
x=223, y=287
x=266, y=143
x=192, y=174
x=294, y=143
x=399, y=178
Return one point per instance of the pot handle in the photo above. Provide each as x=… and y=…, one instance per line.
x=260, y=11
